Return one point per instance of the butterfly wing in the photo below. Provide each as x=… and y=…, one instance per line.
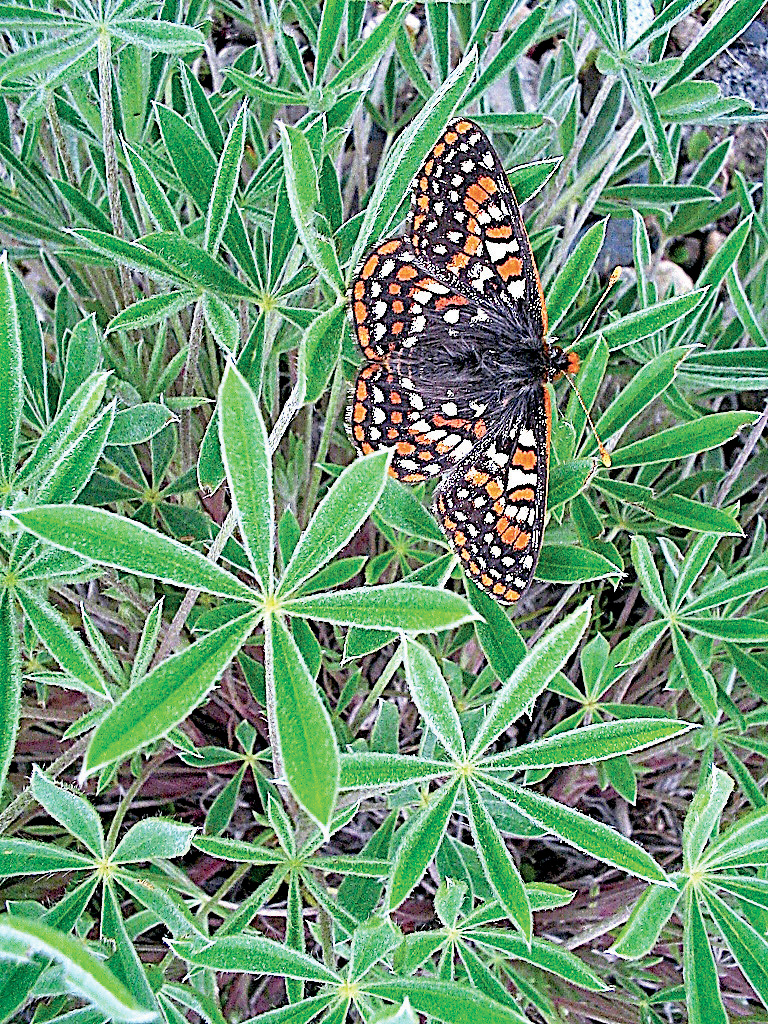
x=396, y=307
x=491, y=507
x=466, y=222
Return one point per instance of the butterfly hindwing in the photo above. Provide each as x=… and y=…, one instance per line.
x=388, y=410
x=492, y=506
x=465, y=220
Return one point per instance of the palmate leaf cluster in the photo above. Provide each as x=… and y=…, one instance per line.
x=201, y=587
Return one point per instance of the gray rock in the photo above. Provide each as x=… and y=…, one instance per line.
x=755, y=34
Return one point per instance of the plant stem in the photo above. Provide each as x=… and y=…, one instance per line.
x=332, y=411
x=110, y=152
x=174, y=631
x=187, y=380
x=25, y=799
x=381, y=684
x=621, y=142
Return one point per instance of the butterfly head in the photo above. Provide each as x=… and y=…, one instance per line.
x=562, y=362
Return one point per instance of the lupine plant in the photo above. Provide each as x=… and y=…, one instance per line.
x=265, y=751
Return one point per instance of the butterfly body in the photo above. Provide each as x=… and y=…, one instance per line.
x=452, y=321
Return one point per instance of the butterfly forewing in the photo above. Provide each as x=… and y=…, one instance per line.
x=396, y=308
x=465, y=220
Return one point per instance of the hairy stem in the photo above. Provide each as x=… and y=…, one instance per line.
x=110, y=153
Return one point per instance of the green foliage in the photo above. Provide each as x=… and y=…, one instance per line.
x=368, y=772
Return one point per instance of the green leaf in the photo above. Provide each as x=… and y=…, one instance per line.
x=33, y=352
x=751, y=670
x=125, y=544
x=373, y=940
x=162, y=699
x=653, y=129
x=305, y=736
x=739, y=631
x=84, y=973
x=570, y=281
x=589, y=743
x=252, y=954
x=27, y=857
x=699, y=971
x=725, y=257
x=686, y=439
x=500, y=870
x=64, y=433
x=399, y=507
x=748, y=946
x=653, y=196
x=51, y=57
x=399, y=606
x=649, y=915
x=124, y=962
x=139, y=423
x=513, y=47
x=576, y=829
x=648, y=575
x=303, y=196
x=692, y=515
x=532, y=676
x=252, y=85
x=564, y=563
x=643, y=322
x=650, y=381
x=83, y=357
x=151, y=191
x=501, y=643
x=337, y=518
x=10, y=684
x=11, y=373
x=322, y=345
x=449, y=1002
x=134, y=255
x=71, y=810
x=718, y=33
x=61, y=641
x=699, y=682
x=369, y=770
x=703, y=815
x=225, y=184
x=371, y=49
x=541, y=953
x=744, y=310
x=423, y=836
x=330, y=28
x=195, y=165
x=154, y=838
x=222, y=323
x=744, y=843
x=73, y=470
x=158, y=36
x=567, y=480
x=194, y=264
x=432, y=697
x=246, y=455
x=29, y=18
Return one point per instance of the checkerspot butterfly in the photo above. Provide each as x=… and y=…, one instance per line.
x=452, y=321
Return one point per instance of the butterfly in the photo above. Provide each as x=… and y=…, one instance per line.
x=452, y=321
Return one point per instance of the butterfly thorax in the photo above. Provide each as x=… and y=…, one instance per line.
x=498, y=361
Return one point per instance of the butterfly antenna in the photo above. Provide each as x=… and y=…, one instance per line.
x=615, y=275
x=605, y=458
